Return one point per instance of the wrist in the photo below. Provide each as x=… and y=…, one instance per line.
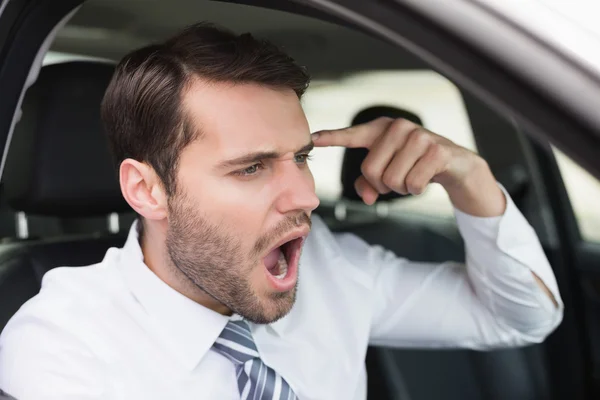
x=477, y=193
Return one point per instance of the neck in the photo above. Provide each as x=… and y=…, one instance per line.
x=158, y=261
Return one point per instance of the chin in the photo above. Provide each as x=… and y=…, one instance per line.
x=274, y=306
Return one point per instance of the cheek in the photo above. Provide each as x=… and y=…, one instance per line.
x=241, y=200
x=226, y=193
x=237, y=196
x=237, y=207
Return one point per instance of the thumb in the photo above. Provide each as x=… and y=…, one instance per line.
x=366, y=192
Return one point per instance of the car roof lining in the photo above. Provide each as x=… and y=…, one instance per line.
x=330, y=50
x=111, y=28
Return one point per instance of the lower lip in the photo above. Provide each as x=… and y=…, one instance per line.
x=289, y=281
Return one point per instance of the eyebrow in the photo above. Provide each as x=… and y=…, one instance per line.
x=260, y=155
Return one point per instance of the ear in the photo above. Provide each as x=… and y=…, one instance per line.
x=142, y=189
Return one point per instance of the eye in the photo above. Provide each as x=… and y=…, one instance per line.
x=301, y=158
x=251, y=170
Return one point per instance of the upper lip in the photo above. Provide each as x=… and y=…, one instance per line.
x=295, y=234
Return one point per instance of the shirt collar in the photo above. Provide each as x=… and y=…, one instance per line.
x=187, y=328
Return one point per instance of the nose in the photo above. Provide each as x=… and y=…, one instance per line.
x=297, y=190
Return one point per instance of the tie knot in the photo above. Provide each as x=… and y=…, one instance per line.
x=236, y=342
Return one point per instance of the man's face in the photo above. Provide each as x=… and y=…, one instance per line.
x=244, y=198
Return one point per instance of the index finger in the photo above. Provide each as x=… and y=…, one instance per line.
x=362, y=135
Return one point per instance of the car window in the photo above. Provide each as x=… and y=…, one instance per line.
x=584, y=191
x=333, y=104
x=55, y=57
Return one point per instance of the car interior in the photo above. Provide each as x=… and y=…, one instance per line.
x=60, y=201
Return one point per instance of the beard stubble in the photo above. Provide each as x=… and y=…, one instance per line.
x=213, y=259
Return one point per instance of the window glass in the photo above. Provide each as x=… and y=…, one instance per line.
x=584, y=192
x=55, y=57
x=333, y=104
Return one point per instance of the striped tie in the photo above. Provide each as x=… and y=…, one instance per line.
x=256, y=381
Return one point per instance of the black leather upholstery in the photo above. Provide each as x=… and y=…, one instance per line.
x=7, y=217
x=58, y=165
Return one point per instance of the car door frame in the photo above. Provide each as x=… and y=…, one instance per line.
x=25, y=25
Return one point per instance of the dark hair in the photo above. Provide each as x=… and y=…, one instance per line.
x=142, y=108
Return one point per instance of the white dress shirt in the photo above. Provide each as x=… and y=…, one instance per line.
x=114, y=330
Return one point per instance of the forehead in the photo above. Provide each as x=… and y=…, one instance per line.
x=246, y=117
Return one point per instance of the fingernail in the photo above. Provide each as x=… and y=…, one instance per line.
x=315, y=136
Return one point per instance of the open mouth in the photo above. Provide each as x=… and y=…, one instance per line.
x=281, y=264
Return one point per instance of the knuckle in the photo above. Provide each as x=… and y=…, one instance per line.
x=419, y=137
x=439, y=151
x=369, y=171
x=404, y=125
x=414, y=185
x=384, y=119
x=399, y=124
x=392, y=181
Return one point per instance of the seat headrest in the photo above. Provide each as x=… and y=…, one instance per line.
x=353, y=158
x=58, y=161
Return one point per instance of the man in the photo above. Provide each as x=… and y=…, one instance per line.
x=204, y=300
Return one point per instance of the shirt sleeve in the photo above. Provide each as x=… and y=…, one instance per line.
x=39, y=360
x=492, y=301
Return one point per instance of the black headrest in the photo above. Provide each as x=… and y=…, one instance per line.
x=353, y=158
x=58, y=161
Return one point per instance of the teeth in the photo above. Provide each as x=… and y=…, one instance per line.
x=283, y=266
